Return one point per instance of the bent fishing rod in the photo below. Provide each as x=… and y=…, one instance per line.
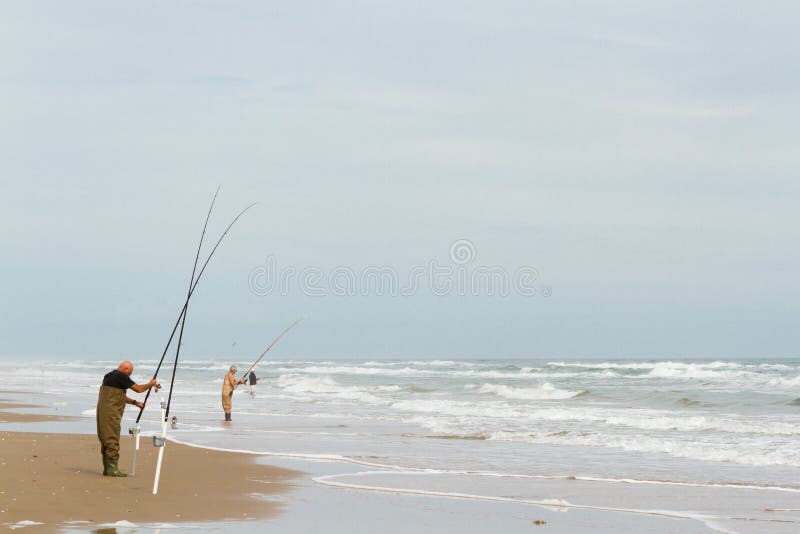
x=298, y=321
x=186, y=310
x=186, y=303
x=191, y=282
x=165, y=407
x=134, y=430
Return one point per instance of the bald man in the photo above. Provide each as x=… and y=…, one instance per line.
x=110, y=404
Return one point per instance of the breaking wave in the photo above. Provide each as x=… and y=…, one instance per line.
x=546, y=391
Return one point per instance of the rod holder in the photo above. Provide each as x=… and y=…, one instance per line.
x=158, y=441
x=134, y=430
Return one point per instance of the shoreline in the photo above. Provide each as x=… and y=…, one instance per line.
x=56, y=481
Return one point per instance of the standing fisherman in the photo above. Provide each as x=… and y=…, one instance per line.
x=110, y=404
x=229, y=383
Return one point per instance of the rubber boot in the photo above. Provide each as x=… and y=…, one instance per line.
x=105, y=466
x=113, y=470
x=228, y=417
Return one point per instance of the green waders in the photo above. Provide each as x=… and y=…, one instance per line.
x=227, y=397
x=110, y=406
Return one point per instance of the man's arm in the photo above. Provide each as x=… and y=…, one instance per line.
x=136, y=403
x=141, y=388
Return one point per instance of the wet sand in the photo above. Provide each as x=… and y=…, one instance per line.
x=23, y=417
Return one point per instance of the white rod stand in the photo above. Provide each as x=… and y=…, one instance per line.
x=134, y=432
x=160, y=441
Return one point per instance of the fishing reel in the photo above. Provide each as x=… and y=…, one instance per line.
x=134, y=430
x=158, y=441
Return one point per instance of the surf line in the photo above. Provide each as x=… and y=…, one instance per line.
x=298, y=321
x=159, y=441
x=707, y=520
x=388, y=469
x=395, y=470
x=401, y=470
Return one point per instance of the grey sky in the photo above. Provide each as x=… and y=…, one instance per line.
x=640, y=155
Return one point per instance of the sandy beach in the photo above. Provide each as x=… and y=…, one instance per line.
x=56, y=480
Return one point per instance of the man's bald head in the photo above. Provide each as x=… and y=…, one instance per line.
x=126, y=367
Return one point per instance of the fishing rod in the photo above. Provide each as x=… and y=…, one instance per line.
x=298, y=321
x=186, y=311
x=135, y=430
x=186, y=303
x=160, y=441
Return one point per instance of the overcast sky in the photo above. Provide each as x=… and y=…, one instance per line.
x=641, y=156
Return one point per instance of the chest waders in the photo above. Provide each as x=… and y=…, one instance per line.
x=227, y=396
x=110, y=406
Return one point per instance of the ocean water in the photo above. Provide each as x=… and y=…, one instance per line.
x=491, y=429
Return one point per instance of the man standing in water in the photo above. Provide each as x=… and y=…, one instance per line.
x=229, y=383
x=110, y=404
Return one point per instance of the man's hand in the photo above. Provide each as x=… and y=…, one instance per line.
x=141, y=388
x=138, y=404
